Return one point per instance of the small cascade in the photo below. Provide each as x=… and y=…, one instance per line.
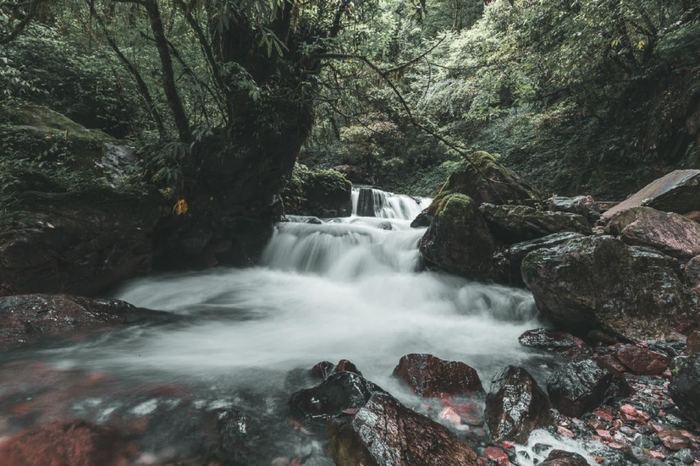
x=371, y=202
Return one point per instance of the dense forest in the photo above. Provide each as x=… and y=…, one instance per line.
x=487, y=211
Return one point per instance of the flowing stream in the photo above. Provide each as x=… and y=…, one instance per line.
x=347, y=288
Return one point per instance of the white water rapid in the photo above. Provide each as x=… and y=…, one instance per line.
x=347, y=288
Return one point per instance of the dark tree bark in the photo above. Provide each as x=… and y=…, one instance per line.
x=168, y=75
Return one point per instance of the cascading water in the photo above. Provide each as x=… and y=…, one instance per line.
x=344, y=288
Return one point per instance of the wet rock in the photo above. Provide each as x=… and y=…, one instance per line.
x=386, y=433
x=669, y=233
x=674, y=439
x=302, y=219
x=27, y=318
x=582, y=205
x=422, y=220
x=497, y=456
x=685, y=385
x=693, y=342
x=430, y=376
x=346, y=366
x=339, y=392
x=579, y=387
x=517, y=223
x=324, y=369
x=642, y=361
x=75, y=443
x=555, y=341
x=692, y=272
x=678, y=191
x=564, y=458
x=509, y=260
x=458, y=240
x=598, y=281
x=515, y=406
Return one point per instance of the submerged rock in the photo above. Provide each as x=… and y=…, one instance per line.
x=599, y=281
x=685, y=385
x=75, y=443
x=339, y=392
x=517, y=223
x=515, y=406
x=458, y=240
x=579, y=387
x=678, y=191
x=430, y=376
x=27, y=318
x=386, y=433
x=670, y=233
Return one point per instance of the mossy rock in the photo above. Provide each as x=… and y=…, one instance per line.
x=484, y=179
x=320, y=193
x=458, y=240
x=76, y=215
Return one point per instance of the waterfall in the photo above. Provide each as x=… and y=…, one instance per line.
x=371, y=202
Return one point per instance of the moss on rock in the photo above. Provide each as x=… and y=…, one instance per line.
x=321, y=193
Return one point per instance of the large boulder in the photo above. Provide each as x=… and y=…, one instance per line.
x=579, y=387
x=685, y=385
x=678, y=191
x=338, y=392
x=27, y=318
x=508, y=261
x=598, y=281
x=483, y=179
x=515, y=406
x=77, y=217
x=458, y=239
x=317, y=192
x=386, y=433
x=517, y=223
x=430, y=376
x=670, y=233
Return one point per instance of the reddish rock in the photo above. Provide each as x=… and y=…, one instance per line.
x=385, y=432
x=629, y=413
x=322, y=370
x=496, y=455
x=430, y=376
x=641, y=361
x=670, y=233
x=346, y=366
x=677, y=191
x=515, y=406
x=674, y=439
x=75, y=443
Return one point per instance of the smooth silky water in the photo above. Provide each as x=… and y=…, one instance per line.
x=348, y=288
